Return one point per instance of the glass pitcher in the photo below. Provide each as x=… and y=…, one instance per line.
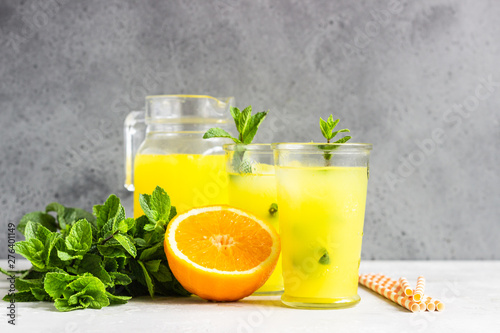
x=164, y=146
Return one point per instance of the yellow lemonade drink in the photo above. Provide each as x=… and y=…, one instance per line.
x=322, y=211
x=191, y=180
x=256, y=193
x=252, y=187
x=164, y=146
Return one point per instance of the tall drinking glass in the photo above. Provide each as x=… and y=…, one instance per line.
x=252, y=187
x=321, y=198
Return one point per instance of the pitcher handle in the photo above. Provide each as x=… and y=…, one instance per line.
x=134, y=133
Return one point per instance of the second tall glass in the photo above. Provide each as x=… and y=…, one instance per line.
x=321, y=197
x=252, y=188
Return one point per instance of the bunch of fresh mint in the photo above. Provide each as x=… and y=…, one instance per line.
x=82, y=260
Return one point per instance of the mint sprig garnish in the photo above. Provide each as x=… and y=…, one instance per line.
x=82, y=260
x=327, y=129
x=246, y=124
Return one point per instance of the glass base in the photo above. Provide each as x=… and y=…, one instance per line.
x=268, y=293
x=320, y=303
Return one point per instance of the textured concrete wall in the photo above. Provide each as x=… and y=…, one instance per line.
x=418, y=79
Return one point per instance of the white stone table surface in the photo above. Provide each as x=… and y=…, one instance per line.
x=469, y=289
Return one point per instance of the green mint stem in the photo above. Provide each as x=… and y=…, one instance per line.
x=109, y=237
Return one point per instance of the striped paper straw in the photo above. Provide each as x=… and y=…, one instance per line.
x=418, y=293
x=391, y=285
x=398, y=289
x=372, y=276
x=429, y=304
x=384, y=281
x=405, y=285
x=405, y=302
x=438, y=303
x=378, y=278
x=422, y=306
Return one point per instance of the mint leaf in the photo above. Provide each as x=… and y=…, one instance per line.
x=67, y=256
x=35, y=230
x=77, y=242
x=27, y=284
x=152, y=265
x=120, y=278
x=114, y=300
x=147, y=279
x=33, y=286
x=110, y=264
x=325, y=258
x=55, y=283
x=47, y=220
x=217, y=132
x=332, y=123
x=138, y=228
x=236, y=113
x=92, y=263
x=163, y=274
x=244, y=121
x=3, y=271
x=67, y=215
x=80, y=237
x=32, y=250
x=23, y=296
x=112, y=250
x=245, y=166
x=126, y=243
x=51, y=243
x=339, y=131
x=173, y=212
x=125, y=225
x=157, y=208
x=140, y=243
x=160, y=203
x=253, y=126
x=154, y=252
x=325, y=129
x=145, y=202
x=40, y=294
x=343, y=140
x=109, y=214
x=84, y=292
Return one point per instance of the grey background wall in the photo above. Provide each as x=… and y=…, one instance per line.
x=418, y=79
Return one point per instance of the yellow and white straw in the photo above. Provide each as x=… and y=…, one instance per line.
x=405, y=286
x=400, y=292
x=418, y=293
x=405, y=302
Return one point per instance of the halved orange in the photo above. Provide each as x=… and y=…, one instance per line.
x=221, y=253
